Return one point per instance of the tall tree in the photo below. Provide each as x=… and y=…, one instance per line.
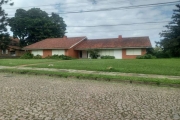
x=4, y=36
x=34, y=25
x=171, y=37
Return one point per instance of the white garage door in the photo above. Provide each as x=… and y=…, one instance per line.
x=118, y=54
x=106, y=52
x=58, y=52
x=37, y=52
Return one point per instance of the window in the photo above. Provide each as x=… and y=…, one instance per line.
x=37, y=52
x=58, y=52
x=133, y=51
x=13, y=53
x=4, y=51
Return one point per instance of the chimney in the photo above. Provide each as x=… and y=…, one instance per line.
x=120, y=37
x=65, y=37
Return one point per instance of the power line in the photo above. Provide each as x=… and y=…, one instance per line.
x=120, y=8
x=121, y=24
x=43, y=27
x=126, y=7
x=61, y=4
x=128, y=19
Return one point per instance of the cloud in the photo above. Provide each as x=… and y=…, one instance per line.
x=121, y=16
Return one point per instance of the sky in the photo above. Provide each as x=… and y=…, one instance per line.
x=115, y=22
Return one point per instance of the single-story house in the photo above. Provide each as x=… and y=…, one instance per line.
x=77, y=47
x=13, y=49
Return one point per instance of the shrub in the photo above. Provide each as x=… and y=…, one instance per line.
x=53, y=57
x=62, y=57
x=107, y=57
x=162, y=55
x=94, y=54
x=146, y=56
x=158, y=52
x=27, y=55
x=37, y=57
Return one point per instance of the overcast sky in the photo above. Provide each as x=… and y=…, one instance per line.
x=161, y=14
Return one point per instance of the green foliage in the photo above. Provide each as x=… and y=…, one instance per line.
x=62, y=57
x=4, y=40
x=37, y=57
x=34, y=25
x=158, y=52
x=146, y=56
x=94, y=53
x=107, y=57
x=27, y=55
x=171, y=37
x=3, y=16
x=4, y=36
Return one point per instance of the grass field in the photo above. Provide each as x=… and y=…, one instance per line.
x=153, y=66
x=17, y=62
x=145, y=66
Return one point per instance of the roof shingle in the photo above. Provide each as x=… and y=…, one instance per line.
x=130, y=42
x=55, y=43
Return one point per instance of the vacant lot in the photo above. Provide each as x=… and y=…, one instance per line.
x=42, y=97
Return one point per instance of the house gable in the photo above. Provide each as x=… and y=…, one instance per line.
x=56, y=46
x=55, y=43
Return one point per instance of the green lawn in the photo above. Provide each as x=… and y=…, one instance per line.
x=17, y=62
x=146, y=66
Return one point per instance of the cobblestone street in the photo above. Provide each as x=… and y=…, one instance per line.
x=33, y=97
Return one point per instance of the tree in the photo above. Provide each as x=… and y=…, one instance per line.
x=171, y=37
x=94, y=53
x=4, y=36
x=34, y=25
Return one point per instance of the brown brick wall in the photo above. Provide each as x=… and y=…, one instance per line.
x=124, y=56
x=17, y=52
x=72, y=53
x=143, y=51
x=47, y=53
x=20, y=52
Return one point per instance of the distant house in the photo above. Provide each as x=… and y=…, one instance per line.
x=77, y=47
x=56, y=46
x=13, y=49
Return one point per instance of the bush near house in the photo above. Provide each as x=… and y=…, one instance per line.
x=27, y=55
x=94, y=54
x=37, y=57
x=157, y=51
x=107, y=57
x=146, y=56
x=62, y=57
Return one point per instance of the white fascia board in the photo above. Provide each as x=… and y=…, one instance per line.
x=77, y=43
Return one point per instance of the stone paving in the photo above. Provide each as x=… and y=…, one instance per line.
x=28, y=97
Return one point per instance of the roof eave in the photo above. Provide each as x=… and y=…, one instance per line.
x=113, y=48
x=44, y=48
x=78, y=42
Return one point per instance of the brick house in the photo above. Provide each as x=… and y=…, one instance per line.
x=77, y=47
x=13, y=49
x=56, y=46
